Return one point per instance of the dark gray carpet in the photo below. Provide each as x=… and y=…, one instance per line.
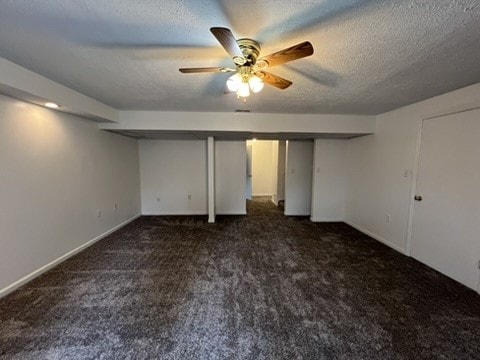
x=257, y=287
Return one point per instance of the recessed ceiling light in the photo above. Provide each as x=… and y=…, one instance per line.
x=52, y=105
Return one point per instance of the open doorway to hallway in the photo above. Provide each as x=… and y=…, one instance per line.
x=266, y=169
x=277, y=174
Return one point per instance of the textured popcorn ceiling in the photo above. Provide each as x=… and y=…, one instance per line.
x=370, y=56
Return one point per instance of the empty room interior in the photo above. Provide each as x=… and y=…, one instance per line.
x=226, y=179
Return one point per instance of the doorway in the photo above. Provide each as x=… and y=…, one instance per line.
x=281, y=171
x=263, y=177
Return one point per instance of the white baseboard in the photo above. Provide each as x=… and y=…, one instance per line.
x=232, y=213
x=173, y=213
x=297, y=213
x=261, y=194
x=314, y=219
x=7, y=290
x=376, y=237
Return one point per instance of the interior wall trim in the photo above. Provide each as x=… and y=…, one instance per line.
x=7, y=290
x=298, y=212
x=315, y=219
x=174, y=213
x=376, y=237
x=230, y=212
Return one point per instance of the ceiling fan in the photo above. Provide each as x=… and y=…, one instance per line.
x=250, y=74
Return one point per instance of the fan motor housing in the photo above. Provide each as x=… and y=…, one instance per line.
x=250, y=49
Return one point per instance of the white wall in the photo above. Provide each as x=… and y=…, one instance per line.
x=382, y=167
x=329, y=180
x=230, y=177
x=170, y=172
x=377, y=184
x=56, y=172
x=298, y=182
x=262, y=167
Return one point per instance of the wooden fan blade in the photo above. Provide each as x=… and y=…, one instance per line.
x=227, y=40
x=205, y=70
x=289, y=54
x=274, y=80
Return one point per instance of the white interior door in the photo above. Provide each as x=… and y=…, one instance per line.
x=446, y=222
x=249, y=171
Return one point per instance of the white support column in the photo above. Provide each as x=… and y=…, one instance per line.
x=315, y=180
x=211, y=178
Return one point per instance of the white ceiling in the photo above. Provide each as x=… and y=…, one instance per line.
x=370, y=56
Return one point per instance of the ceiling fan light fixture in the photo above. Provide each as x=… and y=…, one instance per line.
x=245, y=53
x=255, y=83
x=244, y=82
x=262, y=64
x=243, y=90
x=234, y=82
x=239, y=60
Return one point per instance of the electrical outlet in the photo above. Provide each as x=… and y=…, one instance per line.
x=388, y=218
x=99, y=214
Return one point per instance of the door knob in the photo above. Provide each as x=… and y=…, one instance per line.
x=418, y=197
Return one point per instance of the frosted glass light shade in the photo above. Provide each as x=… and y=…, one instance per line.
x=233, y=82
x=243, y=90
x=256, y=84
x=243, y=83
